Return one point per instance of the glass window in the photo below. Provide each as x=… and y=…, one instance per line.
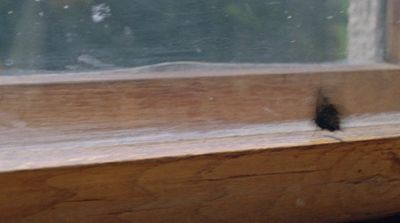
x=80, y=35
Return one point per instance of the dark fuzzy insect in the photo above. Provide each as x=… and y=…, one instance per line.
x=326, y=114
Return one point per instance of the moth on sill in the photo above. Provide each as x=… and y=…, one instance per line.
x=327, y=116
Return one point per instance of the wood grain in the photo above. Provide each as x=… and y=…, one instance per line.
x=192, y=147
x=325, y=183
x=187, y=100
x=49, y=148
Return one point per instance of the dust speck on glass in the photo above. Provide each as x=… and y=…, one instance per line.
x=82, y=35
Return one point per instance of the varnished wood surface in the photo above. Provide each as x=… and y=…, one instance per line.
x=324, y=183
x=47, y=148
x=235, y=147
x=183, y=101
x=189, y=70
x=287, y=172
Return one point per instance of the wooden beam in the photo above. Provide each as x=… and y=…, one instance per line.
x=325, y=183
x=185, y=100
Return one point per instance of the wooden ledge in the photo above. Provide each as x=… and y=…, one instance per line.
x=199, y=148
x=130, y=99
x=303, y=177
x=190, y=70
x=20, y=149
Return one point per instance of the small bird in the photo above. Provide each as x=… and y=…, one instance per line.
x=326, y=114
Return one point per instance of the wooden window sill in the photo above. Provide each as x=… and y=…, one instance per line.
x=231, y=144
x=65, y=147
x=305, y=175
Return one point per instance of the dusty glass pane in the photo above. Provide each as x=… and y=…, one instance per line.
x=79, y=35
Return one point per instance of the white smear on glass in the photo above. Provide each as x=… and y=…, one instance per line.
x=100, y=12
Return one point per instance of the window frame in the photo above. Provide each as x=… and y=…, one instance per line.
x=231, y=97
